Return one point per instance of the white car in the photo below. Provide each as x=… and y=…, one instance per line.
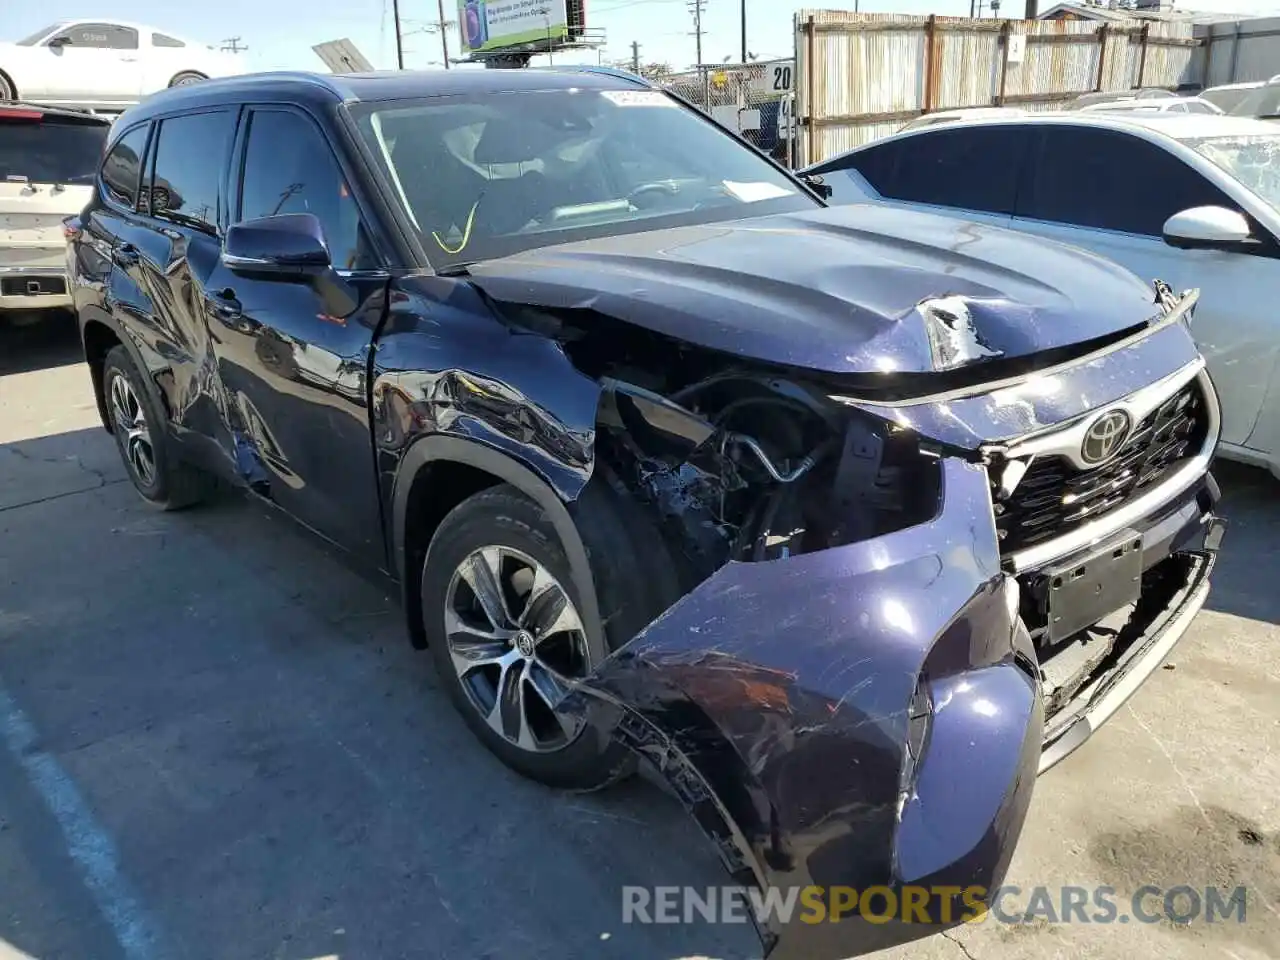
x=48, y=159
x=1169, y=105
x=104, y=64
x=1191, y=200
x=961, y=114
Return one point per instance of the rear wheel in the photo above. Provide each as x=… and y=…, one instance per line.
x=186, y=78
x=139, y=430
x=509, y=635
x=6, y=89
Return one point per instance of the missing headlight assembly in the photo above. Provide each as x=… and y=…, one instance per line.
x=752, y=468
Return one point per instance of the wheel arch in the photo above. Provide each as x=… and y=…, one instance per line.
x=458, y=468
x=99, y=335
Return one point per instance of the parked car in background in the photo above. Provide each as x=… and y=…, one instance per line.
x=1262, y=102
x=964, y=113
x=104, y=64
x=1118, y=96
x=1194, y=201
x=48, y=161
x=830, y=513
x=1194, y=105
x=1227, y=96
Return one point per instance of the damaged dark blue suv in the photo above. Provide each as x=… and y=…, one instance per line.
x=849, y=521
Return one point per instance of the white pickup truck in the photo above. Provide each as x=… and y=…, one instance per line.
x=48, y=160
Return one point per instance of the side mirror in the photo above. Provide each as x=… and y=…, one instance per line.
x=59, y=42
x=818, y=185
x=287, y=246
x=1208, y=228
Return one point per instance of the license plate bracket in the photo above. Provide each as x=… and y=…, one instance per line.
x=1084, y=591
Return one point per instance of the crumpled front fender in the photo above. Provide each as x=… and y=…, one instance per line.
x=856, y=717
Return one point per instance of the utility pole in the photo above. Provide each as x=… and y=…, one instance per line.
x=444, y=33
x=232, y=45
x=744, y=31
x=635, y=58
x=696, y=7
x=395, y=15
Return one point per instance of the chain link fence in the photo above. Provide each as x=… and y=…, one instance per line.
x=753, y=99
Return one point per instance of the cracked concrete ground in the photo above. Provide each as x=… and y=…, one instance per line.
x=227, y=750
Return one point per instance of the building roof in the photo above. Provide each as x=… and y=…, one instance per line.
x=1088, y=11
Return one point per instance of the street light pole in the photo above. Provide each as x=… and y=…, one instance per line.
x=444, y=34
x=395, y=15
x=744, y=31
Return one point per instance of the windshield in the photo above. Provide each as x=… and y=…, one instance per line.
x=491, y=175
x=48, y=151
x=1253, y=160
x=39, y=35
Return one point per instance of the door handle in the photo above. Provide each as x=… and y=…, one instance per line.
x=226, y=307
x=129, y=59
x=125, y=255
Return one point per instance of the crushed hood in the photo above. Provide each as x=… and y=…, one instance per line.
x=853, y=289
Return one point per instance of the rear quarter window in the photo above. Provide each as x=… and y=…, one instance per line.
x=123, y=167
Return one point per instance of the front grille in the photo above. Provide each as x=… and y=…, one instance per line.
x=1055, y=498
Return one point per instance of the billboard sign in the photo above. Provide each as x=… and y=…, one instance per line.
x=495, y=24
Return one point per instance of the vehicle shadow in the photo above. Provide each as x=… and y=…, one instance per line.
x=50, y=341
x=1244, y=582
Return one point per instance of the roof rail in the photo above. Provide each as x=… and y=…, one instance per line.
x=614, y=72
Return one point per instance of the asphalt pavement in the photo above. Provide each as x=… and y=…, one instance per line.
x=216, y=742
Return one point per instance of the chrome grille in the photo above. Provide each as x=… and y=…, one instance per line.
x=1054, y=497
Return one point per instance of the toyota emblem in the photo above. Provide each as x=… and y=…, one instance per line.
x=1105, y=437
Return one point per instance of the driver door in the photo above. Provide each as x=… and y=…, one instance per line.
x=91, y=63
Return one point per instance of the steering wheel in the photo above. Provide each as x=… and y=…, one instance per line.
x=658, y=186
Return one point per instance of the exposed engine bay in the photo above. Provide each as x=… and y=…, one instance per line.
x=750, y=468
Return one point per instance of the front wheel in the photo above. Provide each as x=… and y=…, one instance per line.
x=506, y=630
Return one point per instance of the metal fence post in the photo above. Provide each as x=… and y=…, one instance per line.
x=811, y=43
x=930, y=32
x=1006, y=30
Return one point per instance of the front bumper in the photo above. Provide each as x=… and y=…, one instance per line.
x=1182, y=545
x=781, y=702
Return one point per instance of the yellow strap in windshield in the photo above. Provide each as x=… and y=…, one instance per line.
x=466, y=234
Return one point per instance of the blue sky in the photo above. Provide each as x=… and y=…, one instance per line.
x=280, y=33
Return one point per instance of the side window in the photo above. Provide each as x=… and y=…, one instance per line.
x=100, y=36
x=123, y=166
x=972, y=168
x=1112, y=181
x=190, y=157
x=160, y=40
x=289, y=167
x=876, y=164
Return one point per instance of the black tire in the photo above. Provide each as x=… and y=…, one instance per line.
x=503, y=517
x=170, y=484
x=186, y=78
x=6, y=89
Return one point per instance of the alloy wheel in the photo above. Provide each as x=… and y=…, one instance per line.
x=516, y=642
x=131, y=425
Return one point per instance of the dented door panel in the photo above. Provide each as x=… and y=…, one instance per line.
x=779, y=698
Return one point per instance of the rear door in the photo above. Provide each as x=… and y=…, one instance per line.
x=1111, y=192
x=165, y=254
x=47, y=166
x=295, y=375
